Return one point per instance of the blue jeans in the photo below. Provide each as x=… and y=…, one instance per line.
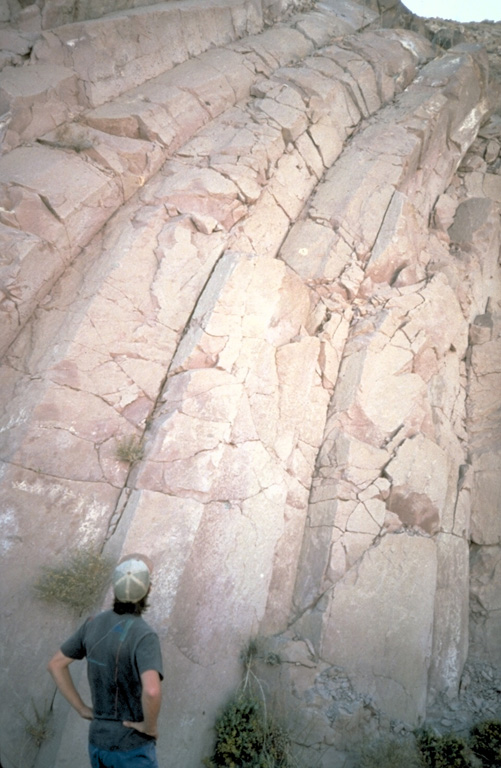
x=143, y=757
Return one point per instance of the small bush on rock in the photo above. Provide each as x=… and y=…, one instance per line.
x=485, y=742
x=76, y=583
x=446, y=751
x=247, y=738
x=246, y=735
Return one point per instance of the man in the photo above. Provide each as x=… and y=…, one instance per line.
x=124, y=667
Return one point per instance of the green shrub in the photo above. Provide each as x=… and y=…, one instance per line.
x=485, y=741
x=247, y=738
x=447, y=751
x=77, y=583
x=246, y=735
x=391, y=752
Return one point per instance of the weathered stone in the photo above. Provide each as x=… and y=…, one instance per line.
x=353, y=200
x=201, y=191
x=420, y=475
x=471, y=216
x=276, y=47
x=429, y=325
x=392, y=606
x=105, y=358
x=485, y=527
x=345, y=86
x=28, y=268
x=352, y=13
x=236, y=139
x=433, y=87
x=291, y=122
x=56, y=196
x=291, y=184
x=357, y=220
x=286, y=555
x=374, y=376
x=8, y=59
x=135, y=117
x=264, y=229
x=451, y=615
x=314, y=251
x=481, y=329
x=327, y=98
x=4, y=12
x=11, y=40
x=485, y=576
x=322, y=27
x=39, y=97
x=393, y=55
x=28, y=21
x=400, y=242
x=210, y=86
x=492, y=186
x=476, y=233
x=473, y=162
x=444, y=212
x=492, y=151
x=356, y=66
x=150, y=41
x=57, y=12
x=132, y=162
x=474, y=184
x=327, y=140
x=311, y=156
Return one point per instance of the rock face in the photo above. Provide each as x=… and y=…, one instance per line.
x=269, y=254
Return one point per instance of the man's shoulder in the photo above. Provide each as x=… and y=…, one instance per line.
x=100, y=622
x=144, y=628
x=104, y=617
x=132, y=626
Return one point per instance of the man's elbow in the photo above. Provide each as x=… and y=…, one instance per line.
x=153, y=692
x=152, y=687
x=58, y=662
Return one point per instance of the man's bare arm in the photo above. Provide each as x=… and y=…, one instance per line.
x=58, y=668
x=151, y=700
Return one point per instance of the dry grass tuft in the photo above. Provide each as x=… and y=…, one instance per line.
x=130, y=449
x=77, y=583
x=38, y=728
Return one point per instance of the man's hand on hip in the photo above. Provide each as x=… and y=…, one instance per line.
x=86, y=712
x=141, y=727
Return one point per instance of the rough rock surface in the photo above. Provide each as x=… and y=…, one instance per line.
x=271, y=257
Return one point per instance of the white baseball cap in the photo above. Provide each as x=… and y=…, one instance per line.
x=131, y=580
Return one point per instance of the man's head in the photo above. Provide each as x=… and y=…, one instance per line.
x=132, y=579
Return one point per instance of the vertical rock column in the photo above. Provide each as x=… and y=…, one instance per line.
x=475, y=236
x=382, y=584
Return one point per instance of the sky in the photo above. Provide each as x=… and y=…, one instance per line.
x=459, y=10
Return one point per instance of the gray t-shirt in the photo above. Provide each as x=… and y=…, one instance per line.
x=118, y=648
